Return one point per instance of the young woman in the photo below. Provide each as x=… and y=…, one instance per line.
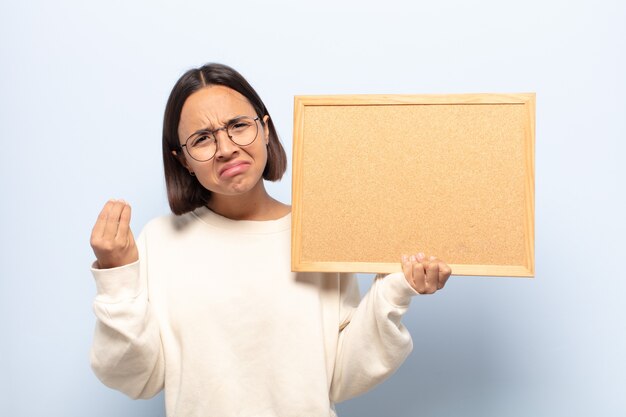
x=205, y=305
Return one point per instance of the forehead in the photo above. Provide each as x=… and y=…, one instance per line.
x=211, y=107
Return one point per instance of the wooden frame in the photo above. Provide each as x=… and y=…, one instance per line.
x=378, y=176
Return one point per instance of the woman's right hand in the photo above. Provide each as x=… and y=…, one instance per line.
x=112, y=240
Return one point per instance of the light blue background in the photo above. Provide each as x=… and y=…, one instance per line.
x=82, y=92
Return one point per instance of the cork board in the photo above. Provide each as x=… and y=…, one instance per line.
x=378, y=176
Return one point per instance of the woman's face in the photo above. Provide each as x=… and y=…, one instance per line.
x=234, y=169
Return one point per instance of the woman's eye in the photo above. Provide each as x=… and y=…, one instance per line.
x=239, y=125
x=200, y=140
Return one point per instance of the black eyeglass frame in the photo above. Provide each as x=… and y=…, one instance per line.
x=214, y=131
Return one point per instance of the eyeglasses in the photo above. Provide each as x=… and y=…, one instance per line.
x=202, y=145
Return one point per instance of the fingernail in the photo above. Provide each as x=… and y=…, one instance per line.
x=432, y=258
x=413, y=258
x=420, y=256
x=404, y=258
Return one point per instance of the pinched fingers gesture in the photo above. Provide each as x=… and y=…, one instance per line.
x=426, y=276
x=112, y=240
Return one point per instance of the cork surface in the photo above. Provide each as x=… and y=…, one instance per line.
x=379, y=181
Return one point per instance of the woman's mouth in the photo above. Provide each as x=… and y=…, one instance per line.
x=230, y=170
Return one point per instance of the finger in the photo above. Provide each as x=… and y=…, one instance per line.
x=113, y=220
x=98, y=228
x=432, y=277
x=444, y=273
x=407, y=270
x=131, y=239
x=124, y=226
x=418, y=275
x=423, y=259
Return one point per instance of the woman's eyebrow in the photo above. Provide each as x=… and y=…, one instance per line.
x=210, y=128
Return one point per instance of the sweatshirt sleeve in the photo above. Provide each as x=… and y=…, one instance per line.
x=126, y=353
x=373, y=343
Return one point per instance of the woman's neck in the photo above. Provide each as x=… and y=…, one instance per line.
x=256, y=204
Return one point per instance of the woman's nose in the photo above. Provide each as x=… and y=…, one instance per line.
x=225, y=146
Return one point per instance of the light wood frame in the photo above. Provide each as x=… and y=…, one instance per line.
x=508, y=130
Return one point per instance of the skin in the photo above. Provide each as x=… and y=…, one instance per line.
x=426, y=275
x=241, y=196
x=112, y=240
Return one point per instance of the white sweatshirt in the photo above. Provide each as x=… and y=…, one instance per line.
x=212, y=313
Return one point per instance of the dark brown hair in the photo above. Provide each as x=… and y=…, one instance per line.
x=184, y=191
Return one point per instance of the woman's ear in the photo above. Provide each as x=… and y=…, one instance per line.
x=181, y=158
x=266, y=129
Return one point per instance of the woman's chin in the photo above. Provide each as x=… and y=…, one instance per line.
x=233, y=188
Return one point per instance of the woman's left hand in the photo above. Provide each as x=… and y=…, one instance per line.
x=425, y=275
